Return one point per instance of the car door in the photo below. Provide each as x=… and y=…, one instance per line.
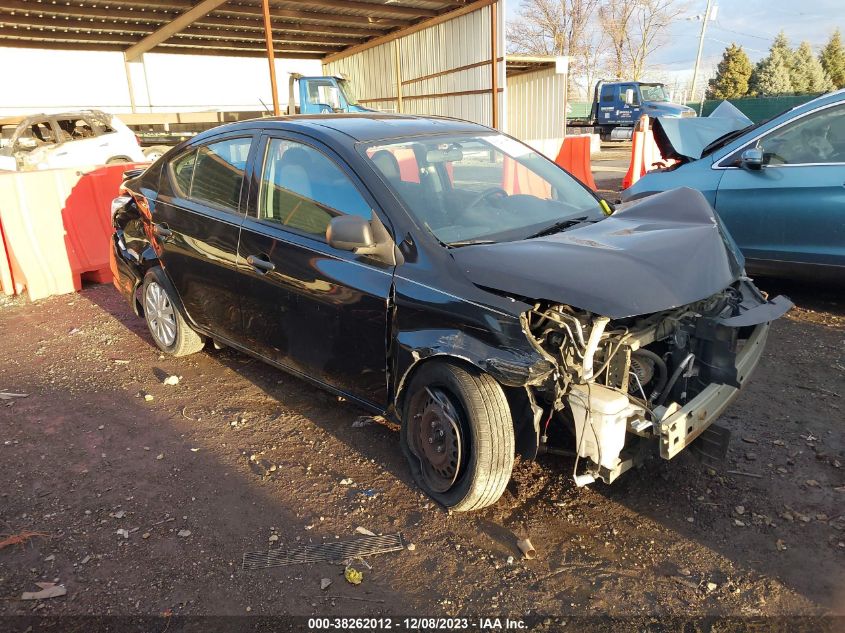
x=316, y=310
x=606, y=112
x=629, y=111
x=197, y=219
x=793, y=208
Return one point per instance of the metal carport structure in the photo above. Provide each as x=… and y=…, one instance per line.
x=419, y=56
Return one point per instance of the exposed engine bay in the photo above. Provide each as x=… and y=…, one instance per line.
x=623, y=383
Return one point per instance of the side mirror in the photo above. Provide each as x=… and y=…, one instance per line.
x=752, y=159
x=628, y=98
x=349, y=233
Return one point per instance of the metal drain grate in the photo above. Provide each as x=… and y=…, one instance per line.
x=324, y=552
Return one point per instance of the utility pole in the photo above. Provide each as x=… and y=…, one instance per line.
x=704, y=21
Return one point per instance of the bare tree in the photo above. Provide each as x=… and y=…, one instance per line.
x=558, y=27
x=635, y=29
x=616, y=17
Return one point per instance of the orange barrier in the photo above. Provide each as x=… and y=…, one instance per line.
x=637, y=168
x=7, y=274
x=574, y=157
x=87, y=222
x=56, y=226
x=645, y=155
x=517, y=178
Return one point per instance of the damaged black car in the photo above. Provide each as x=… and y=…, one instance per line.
x=450, y=278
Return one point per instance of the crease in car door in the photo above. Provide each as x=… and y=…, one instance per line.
x=197, y=219
x=310, y=308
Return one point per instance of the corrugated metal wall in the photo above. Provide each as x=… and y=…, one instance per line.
x=444, y=70
x=537, y=109
x=373, y=75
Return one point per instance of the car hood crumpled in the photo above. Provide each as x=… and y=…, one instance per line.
x=687, y=138
x=665, y=251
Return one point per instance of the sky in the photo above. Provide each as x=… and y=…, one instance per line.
x=751, y=23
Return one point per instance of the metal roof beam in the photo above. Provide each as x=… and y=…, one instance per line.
x=34, y=23
x=171, y=28
x=313, y=16
x=375, y=7
x=97, y=13
x=27, y=13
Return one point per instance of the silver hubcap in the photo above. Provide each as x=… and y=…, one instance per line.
x=160, y=315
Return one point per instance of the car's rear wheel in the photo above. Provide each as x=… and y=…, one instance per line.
x=169, y=330
x=457, y=434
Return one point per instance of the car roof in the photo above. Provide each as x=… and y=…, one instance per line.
x=363, y=127
x=830, y=97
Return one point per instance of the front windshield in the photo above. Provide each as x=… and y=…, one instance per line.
x=654, y=92
x=489, y=188
x=348, y=92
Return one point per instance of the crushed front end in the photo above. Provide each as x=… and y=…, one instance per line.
x=629, y=386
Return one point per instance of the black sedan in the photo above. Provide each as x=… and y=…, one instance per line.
x=450, y=278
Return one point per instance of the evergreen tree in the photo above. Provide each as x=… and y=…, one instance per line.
x=807, y=72
x=773, y=74
x=832, y=59
x=732, y=75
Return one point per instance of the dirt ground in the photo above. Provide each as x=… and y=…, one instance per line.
x=102, y=445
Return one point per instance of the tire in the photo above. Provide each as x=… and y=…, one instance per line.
x=154, y=152
x=441, y=398
x=116, y=160
x=169, y=330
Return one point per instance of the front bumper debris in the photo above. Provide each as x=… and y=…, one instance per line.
x=679, y=426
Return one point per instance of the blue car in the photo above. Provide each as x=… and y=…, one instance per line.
x=778, y=186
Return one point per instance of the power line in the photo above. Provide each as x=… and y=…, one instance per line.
x=768, y=38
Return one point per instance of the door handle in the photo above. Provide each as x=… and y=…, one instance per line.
x=261, y=263
x=162, y=230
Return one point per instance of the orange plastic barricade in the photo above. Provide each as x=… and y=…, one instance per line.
x=645, y=155
x=517, y=178
x=56, y=227
x=87, y=222
x=574, y=157
x=635, y=167
x=7, y=274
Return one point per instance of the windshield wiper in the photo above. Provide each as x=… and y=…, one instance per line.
x=557, y=227
x=460, y=243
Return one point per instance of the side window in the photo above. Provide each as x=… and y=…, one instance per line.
x=624, y=88
x=43, y=132
x=182, y=172
x=607, y=93
x=218, y=173
x=100, y=127
x=74, y=129
x=815, y=138
x=304, y=189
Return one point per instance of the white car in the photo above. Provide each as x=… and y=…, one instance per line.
x=70, y=139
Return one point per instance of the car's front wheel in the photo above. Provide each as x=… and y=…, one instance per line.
x=169, y=330
x=457, y=434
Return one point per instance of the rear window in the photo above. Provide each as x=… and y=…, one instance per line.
x=212, y=174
